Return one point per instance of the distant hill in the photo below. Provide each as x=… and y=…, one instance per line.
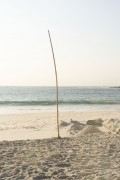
x=115, y=87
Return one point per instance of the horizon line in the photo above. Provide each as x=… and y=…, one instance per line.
x=60, y=86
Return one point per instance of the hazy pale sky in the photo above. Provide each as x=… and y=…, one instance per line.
x=85, y=35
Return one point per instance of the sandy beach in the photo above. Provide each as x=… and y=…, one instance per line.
x=42, y=125
x=60, y=90
x=30, y=150
x=87, y=157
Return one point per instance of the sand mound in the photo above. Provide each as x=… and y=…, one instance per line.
x=113, y=125
x=88, y=130
x=64, y=124
x=73, y=126
x=95, y=122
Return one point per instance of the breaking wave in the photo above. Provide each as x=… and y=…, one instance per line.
x=50, y=103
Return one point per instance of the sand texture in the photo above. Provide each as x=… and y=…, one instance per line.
x=88, y=157
x=88, y=150
x=43, y=125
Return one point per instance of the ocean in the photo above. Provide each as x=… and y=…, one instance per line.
x=31, y=99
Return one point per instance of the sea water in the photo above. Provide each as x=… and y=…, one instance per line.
x=31, y=99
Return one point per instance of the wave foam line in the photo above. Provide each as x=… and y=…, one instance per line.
x=50, y=103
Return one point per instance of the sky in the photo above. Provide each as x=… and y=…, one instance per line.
x=85, y=36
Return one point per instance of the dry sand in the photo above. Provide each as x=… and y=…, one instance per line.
x=43, y=125
x=88, y=156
